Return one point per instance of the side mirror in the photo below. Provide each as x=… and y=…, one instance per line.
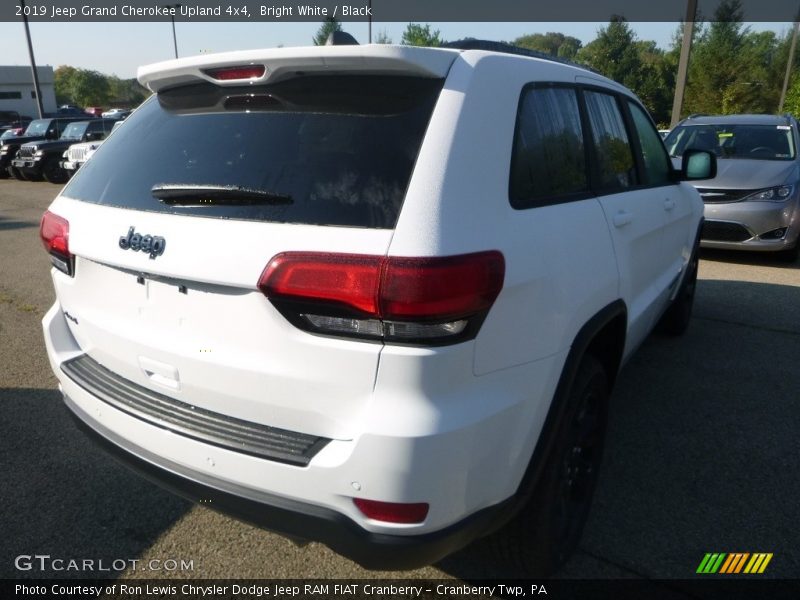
x=51, y=135
x=94, y=136
x=698, y=164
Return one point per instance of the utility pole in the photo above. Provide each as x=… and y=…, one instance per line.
x=789, y=66
x=36, y=87
x=172, y=18
x=683, y=63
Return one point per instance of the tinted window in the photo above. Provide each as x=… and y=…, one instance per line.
x=341, y=147
x=657, y=167
x=548, y=159
x=615, y=166
x=762, y=142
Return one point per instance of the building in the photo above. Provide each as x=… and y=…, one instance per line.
x=17, y=91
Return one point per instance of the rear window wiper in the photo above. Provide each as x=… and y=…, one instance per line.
x=191, y=194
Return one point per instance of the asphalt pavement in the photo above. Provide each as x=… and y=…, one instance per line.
x=702, y=451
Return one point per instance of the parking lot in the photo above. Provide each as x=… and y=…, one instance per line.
x=702, y=452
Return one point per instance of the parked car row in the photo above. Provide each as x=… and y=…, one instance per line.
x=42, y=151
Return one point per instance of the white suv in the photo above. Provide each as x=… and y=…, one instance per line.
x=373, y=296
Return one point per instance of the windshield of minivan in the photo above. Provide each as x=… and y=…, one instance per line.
x=760, y=142
x=37, y=127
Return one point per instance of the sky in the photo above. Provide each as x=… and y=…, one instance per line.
x=120, y=48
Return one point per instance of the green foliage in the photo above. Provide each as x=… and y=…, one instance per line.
x=639, y=65
x=81, y=86
x=731, y=68
x=555, y=44
x=420, y=35
x=792, y=102
x=329, y=25
x=90, y=88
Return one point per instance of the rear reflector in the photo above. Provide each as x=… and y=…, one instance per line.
x=54, y=231
x=392, y=512
x=429, y=300
x=239, y=72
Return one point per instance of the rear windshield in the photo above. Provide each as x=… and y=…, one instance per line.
x=340, y=148
x=761, y=142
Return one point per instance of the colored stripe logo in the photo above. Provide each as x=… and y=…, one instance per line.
x=734, y=563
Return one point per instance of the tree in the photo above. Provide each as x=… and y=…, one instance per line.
x=329, y=25
x=420, y=35
x=81, y=86
x=613, y=53
x=383, y=38
x=555, y=44
x=63, y=83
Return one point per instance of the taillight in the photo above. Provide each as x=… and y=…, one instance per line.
x=239, y=72
x=54, y=231
x=437, y=300
x=392, y=512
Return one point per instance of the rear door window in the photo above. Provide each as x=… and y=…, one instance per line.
x=615, y=165
x=337, y=150
x=548, y=161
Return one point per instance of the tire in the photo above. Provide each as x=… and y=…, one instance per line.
x=16, y=173
x=545, y=533
x=4, y=173
x=676, y=320
x=53, y=172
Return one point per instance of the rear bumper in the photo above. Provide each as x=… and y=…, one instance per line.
x=292, y=518
x=463, y=450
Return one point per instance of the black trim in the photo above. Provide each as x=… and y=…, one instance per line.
x=159, y=410
x=298, y=519
x=547, y=438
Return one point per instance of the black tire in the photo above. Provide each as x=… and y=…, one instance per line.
x=540, y=539
x=676, y=320
x=53, y=172
x=4, y=173
x=16, y=173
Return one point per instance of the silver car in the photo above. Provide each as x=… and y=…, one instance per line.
x=754, y=201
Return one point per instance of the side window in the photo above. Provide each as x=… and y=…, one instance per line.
x=548, y=159
x=657, y=167
x=615, y=165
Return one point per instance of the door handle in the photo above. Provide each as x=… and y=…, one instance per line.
x=622, y=218
x=669, y=204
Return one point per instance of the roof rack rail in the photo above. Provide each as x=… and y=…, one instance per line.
x=696, y=115
x=490, y=46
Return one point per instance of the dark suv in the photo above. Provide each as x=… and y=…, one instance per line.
x=40, y=129
x=42, y=158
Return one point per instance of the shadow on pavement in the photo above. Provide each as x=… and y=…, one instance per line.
x=701, y=454
x=61, y=496
x=756, y=259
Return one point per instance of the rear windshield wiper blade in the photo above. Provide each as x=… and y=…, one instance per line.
x=191, y=194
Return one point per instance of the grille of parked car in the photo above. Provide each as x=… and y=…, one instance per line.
x=25, y=152
x=720, y=231
x=76, y=154
x=711, y=195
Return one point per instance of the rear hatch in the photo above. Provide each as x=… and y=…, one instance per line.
x=176, y=216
